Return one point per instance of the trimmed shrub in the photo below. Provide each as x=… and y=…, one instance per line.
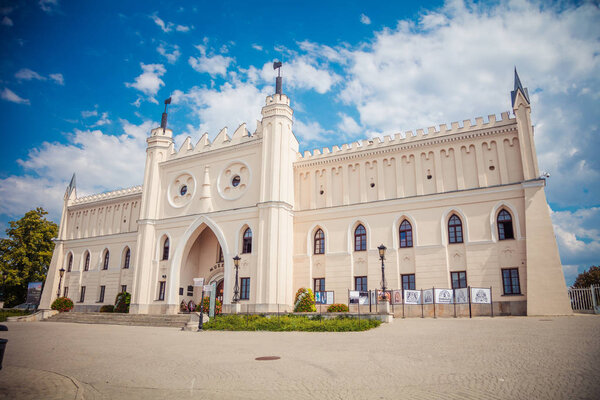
x=206, y=306
x=107, y=308
x=122, y=302
x=286, y=323
x=62, y=304
x=337, y=308
x=304, y=301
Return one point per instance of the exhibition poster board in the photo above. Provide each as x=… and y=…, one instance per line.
x=412, y=297
x=461, y=296
x=428, y=296
x=481, y=295
x=444, y=296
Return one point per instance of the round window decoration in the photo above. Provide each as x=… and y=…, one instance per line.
x=235, y=181
x=183, y=190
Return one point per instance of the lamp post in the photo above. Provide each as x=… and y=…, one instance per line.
x=382, y=250
x=236, y=287
x=62, y=273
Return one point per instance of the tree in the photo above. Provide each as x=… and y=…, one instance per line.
x=588, y=278
x=25, y=254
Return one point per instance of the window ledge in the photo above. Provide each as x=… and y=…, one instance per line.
x=513, y=295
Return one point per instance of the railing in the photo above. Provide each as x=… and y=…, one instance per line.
x=585, y=300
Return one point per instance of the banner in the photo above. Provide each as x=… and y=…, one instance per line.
x=397, y=297
x=412, y=297
x=443, y=296
x=480, y=295
x=428, y=296
x=357, y=297
x=461, y=296
x=34, y=292
x=329, y=298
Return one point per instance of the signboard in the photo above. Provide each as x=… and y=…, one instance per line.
x=318, y=298
x=412, y=297
x=480, y=295
x=354, y=296
x=34, y=292
x=397, y=297
x=443, y=296
x=199, y=282
x=329, y=297
x=461, y=296
x=428, y=296
x=324, y=297
x=207, y=288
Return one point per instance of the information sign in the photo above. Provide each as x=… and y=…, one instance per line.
x=443, y=296
x=34, y=292
x=199, y=282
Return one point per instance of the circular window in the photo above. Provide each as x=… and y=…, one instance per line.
x=235, y=181
x=183, y=190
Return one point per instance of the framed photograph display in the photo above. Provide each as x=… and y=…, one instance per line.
x=444, y=296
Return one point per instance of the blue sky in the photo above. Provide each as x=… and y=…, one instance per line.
x=81, y=84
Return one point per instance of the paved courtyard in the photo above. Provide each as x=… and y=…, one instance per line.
x=482, y=358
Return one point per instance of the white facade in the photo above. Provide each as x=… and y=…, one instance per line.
x=204, y=197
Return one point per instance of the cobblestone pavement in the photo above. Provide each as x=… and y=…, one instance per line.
x=482, y=358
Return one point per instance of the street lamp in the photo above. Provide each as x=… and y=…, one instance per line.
x=236, y=287
x=382, y=250
x=62, y=273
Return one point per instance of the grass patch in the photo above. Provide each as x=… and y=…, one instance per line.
x=286, y=323
x=12, y=313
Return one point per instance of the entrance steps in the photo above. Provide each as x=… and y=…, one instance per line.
x=173, y=321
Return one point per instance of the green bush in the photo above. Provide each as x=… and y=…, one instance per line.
x=206, y=306
x=286, y=323
x=5, y=313
x=62, y=304
x=337, y=308
x=122, y=302
x=107, y=308
x=304, y=301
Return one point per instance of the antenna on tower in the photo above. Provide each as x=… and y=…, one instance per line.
x=163, y=120
x=278, y=81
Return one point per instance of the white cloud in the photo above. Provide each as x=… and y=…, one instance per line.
x=348, y=125
x=49, y=168
x=25, y=74
x=103, y=120
x=87, y=114
x=149, y=81
x=11, y=96
x=228, y=105
x=6, y=21
x=48, y=6
x=58, y=78
x=257, y=47
x=168, y=26
x=211, y=64
x=365, y=20
x=163, y=49
x=311, y=132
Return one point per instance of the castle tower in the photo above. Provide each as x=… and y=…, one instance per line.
x=158, y=145
x=275, y=241
x=546, y=288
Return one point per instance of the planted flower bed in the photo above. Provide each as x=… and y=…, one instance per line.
x=289, y=323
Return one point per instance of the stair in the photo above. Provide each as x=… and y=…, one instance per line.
x=174, y=321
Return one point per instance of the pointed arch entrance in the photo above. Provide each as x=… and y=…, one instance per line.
x=201, y=253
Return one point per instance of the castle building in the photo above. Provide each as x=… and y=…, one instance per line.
x=456, y=206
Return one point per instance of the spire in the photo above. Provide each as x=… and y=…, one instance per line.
x=163, y=120
x=72, y=186
x=519, y=86
x=278, y=81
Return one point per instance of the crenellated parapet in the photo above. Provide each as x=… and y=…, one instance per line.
x=221, y=141
x=115, y=194
x=408, y=139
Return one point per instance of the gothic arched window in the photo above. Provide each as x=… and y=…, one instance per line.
x=247, y=241
x=455, y=233
x=319, y=247
x=406, y=234
x=165, y=252
x=360, y=238
x=127, y=258
x=70, y=263
x=86, y=266
x=505, y=227
x=106, y=259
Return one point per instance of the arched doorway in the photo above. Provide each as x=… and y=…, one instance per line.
x=203, y=260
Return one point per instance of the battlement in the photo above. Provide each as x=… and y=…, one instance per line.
x=108, y=195
x=408, y=137
x=222, y=140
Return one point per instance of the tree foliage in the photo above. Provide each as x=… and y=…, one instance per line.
x=25, y=254
x=588, y=278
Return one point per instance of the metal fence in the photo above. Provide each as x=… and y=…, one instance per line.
x=586, y=300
